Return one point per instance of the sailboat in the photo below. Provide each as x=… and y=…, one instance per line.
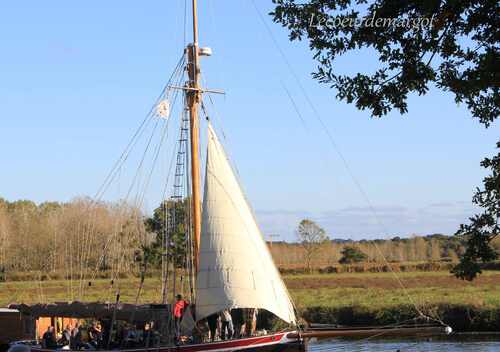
x=232, y=264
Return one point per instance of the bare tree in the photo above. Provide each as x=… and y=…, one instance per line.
x=311, y=237
x=4, y=241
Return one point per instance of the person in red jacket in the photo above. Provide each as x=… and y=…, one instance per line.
x=179, y=308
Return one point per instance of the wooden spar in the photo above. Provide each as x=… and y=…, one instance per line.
x=193, y=100
x=372, y=332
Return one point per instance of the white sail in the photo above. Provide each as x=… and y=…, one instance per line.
x=236, y=269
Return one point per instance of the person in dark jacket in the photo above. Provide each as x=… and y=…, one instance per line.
x=213, y=321
x=237, y=317
x=226, y=329
x=49, y=338
x=76, y=338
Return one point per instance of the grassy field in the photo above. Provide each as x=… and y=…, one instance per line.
x=382, y=290
x=324, y=297
x=376, y=290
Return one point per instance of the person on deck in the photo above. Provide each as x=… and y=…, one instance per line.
x=49, y=338
x=237, y=318
x=95, y=335
x=226, y=323
x=106, y=331
x=213, y=322
x=179, y=309
x=147, y=335
x=201, y=331
x=250, y=317
x=75, y=341
x=66, y=335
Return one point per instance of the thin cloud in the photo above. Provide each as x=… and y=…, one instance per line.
x=360, y=222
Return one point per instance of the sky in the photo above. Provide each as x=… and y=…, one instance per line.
x=78, y=77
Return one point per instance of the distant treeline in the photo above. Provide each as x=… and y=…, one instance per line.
x=78, y=238
x=84, y=239
x=436, y=247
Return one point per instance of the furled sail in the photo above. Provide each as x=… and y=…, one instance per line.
x=236, y=269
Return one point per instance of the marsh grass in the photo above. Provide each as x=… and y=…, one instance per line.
x=347, y=298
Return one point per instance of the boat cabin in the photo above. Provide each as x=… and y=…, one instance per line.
x=125, y=318
x=14, y=326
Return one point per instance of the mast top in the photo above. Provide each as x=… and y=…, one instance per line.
x=195, y=23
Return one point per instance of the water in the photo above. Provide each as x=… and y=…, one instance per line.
x=452, y=344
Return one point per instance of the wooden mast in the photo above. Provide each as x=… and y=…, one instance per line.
x=193, y=101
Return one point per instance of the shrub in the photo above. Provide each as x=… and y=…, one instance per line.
x=352, y=255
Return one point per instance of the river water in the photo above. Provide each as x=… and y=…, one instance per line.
x=448, y=345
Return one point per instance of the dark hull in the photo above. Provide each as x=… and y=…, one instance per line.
x=269, y=343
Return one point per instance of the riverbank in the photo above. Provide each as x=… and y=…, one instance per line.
x=345, y=299
x=381, y=299
x=461, y=317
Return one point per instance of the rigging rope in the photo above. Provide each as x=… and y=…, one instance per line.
x=178, y=72
x=125, y=154
x=338, y=151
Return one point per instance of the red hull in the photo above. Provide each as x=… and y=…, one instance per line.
x=269, y=343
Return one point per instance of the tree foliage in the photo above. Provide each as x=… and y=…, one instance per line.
x=82, y=237
x=169, y=219
x=311, y=236
x=483, y=228
x=351, y=255
x=75, y=239
x=454, y=46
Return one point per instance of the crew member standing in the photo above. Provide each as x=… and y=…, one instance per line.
x=226, y=324
x=179, y=308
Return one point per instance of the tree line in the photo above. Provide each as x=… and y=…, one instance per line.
x=78, y=238
x=82, y=238
x=314, y=249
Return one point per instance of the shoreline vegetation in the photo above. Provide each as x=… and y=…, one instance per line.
x=82, y=236
x=87, y=251
x=352, y=298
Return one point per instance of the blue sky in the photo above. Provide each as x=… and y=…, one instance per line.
x=77, y=77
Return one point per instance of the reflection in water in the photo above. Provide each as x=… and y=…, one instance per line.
x=450, y=345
